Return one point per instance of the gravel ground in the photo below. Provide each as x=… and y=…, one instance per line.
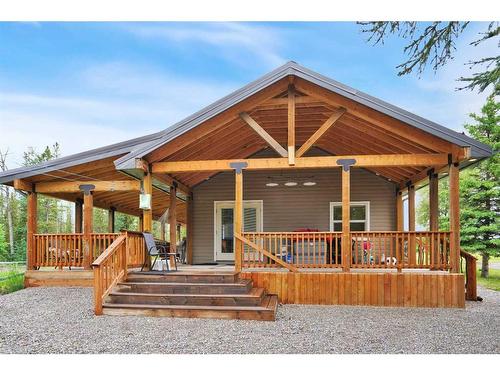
x=60, y=320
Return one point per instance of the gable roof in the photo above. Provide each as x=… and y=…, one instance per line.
x=139, y=147
x=478, y=149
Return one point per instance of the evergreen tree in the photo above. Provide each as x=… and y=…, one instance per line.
x=480, y=190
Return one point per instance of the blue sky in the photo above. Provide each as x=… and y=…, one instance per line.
x=86, y=85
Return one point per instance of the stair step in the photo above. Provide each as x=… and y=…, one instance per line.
x=265, y=311
x=254, y=298
x=241, y=287
x=184, y=277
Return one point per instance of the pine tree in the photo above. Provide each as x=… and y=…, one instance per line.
x=480, y=190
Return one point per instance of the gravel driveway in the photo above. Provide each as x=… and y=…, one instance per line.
x=60, y=320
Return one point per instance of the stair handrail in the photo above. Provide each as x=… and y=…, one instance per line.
x=109, y=269
x=470, y=276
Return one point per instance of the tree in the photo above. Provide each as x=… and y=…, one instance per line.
x=434, y=43
x=480, y=190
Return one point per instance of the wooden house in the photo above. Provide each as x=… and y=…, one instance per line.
x=292, y=185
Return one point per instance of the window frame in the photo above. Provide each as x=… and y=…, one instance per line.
x=353, y=203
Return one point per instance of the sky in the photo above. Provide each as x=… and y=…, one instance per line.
x=86, y=85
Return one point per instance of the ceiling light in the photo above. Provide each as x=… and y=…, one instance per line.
x=272, y=184
x=290, y=183
x=309, y=183
x=472, y=159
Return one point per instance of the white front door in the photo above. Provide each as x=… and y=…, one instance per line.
x=224, y=223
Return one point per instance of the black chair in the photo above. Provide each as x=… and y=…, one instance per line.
x=157, y=251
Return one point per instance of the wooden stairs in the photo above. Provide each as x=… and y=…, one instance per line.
x=190, y=295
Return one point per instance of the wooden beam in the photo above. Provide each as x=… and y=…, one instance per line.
x=284, y=101
x=263, y=134
x=147, y=215
x=79, y=215
x=189, y=230
x=433, y=201
x=31, y=229
x=169, y=180
x=172, y=221
x=291, y=124
x=238, y=219
x=140, y=224
x=346, y=219
x=74, y=186
x=88, y=227
x=111, y=219
x=364, y=161
x=23, y=185
x=142, y=165
x=454, y=196
x=399, y=211
x=318, y=133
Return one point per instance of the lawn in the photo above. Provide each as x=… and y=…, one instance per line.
x=11, y=278
x=493, y=281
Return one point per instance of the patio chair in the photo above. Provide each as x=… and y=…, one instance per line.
x=157, y=251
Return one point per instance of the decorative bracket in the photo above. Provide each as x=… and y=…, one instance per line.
x=346, y=163
x=87, y=189
x=238, y=166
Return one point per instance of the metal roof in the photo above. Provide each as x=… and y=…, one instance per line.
x=139, y=147
x=478, y=149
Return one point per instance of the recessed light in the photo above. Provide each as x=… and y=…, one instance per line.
x=309, y=183
x=290, y=183
x=272, y=184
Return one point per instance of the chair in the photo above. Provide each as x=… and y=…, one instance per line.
x=157, y=251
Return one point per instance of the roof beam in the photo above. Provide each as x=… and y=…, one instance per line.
x=263, y=134
x=24, y=185
x=291, y=124
x=169, y=180
x=391, y=160
x=322, y=130
x=74, y=186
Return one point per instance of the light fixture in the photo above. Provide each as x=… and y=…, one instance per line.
x=377, y=174
x=272, y=184
x=309, y=183
x=472, y=159
x=290, y=183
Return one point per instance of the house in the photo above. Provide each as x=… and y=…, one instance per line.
x=296, y=182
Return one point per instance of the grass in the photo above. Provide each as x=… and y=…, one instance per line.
x=11, y=279
x=493, y=280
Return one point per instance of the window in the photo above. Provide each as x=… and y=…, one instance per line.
x=360, y=216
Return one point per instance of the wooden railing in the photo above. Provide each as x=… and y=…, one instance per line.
x=109, y=269
x=68, y=249
x=300, y=249
x=400, y=250
x=470, y=276
x=396, y=250
x=136, y=249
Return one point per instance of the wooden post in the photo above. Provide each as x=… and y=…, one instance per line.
x=399, y=211
x=189, y=230
x=162, y=230
x=454, y=175
x=238, y=218
x=172, y=221
x=412, y=250
x=291, y=125
x=433, y=202
x=178, y=234
x=111, y=220
x=140, y=224
x=147, y=215
x=346, y=219
x=31, y=227
x=79, y=215
x=88, y=227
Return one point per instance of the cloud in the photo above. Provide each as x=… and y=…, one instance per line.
x=233, y=41
x=115, y=101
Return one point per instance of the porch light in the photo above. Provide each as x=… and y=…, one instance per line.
x=145, y=201
x=290, y=183
x=309, y=183
x=272, y=184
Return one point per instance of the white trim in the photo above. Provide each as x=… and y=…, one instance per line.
x=353, y=203
x=260, y=202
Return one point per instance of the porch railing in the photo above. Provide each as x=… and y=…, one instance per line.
x=68, y=249
x=109, y=269
x=393, y=249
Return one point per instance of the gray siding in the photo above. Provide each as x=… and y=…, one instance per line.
x=288, y=208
